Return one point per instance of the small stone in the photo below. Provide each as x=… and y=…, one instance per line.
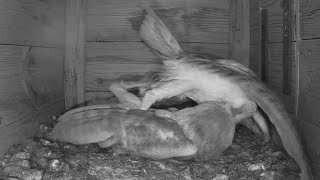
x=23, y=163
x=31, y=145
x=42, y=162
x=256, y=167
x=4, y=162
x=268, y=175
x=20, y=156
x=43, y=153
x=163, y=166
x=221, y=177
x=186, y=174
x=31, y=174
x=55, y=165
x=278, y=154
x=56, y=155
x=45, y=142
x=12, y=178
x=69, y=148
x=13, y=170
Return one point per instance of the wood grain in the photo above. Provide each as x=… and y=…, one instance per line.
x=188, y=20
x=255, y=58
x=43, y=74
x=30, y=78
x=32, y=22
x=310, y=135
x=14, y=102
x=74, y=52
x=275, y=18
x=309, y=18
x=240, y=31
x=255, y=22
x=111, y=61
x=309, y=77
x=275, y=78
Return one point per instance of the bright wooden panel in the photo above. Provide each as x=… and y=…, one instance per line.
x=32, y=22
x=189, y=20
x=74, y=52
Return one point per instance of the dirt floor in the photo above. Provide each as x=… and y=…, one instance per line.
x=248, y=158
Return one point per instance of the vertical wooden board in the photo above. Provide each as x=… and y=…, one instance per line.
x=189, y=20
x=43, y=74
x=309, y=18
x=311, y=136
x=275, y=76
x=255, y=22
x=240, y=31
x=107, y=62
x=74, y=52
x=309, y=77
x=275, y=18
x=14, y=101
x=32, y=22
x=255, y=59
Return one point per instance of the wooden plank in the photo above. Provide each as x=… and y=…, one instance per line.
x=207, y=49
x=32, y=22
x=255, y=59
x=255, y=22
x=275, y=20
x=112, y=61
x=309, y=78
x=309, y=18
x=255, y=37
x=14, y=102
x=310, y=135
x=30, y=78
x=264, y=45
x=275, y=77
x=240, y=31
x=43, y=74
x=74, y=52
x=287, y=37
x=188, y=20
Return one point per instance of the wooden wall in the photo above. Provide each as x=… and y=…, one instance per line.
x=304, y=100
x=113, y=47
x=31, y=66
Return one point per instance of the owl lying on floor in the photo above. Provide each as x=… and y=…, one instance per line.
x=200, y=133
